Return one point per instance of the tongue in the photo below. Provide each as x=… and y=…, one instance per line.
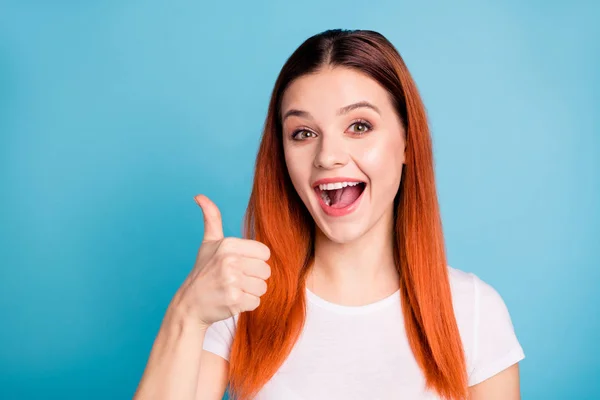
x=341, y=198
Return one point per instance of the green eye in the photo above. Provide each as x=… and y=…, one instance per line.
x=363, y=126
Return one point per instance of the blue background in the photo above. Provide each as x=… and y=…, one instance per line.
x=114, y=114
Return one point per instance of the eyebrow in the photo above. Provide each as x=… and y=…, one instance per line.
x=341, y=111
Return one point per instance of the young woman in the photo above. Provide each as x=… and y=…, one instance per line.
x=343, y=223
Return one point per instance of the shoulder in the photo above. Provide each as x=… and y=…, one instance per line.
x=462, y=283
x=219, y=337
x=471, y=292
x=467, y=289
x=472, y=296
x=485, y=326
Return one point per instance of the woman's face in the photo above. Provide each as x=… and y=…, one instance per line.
x=344, y=149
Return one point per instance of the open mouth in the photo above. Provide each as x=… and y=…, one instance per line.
x=340, y=195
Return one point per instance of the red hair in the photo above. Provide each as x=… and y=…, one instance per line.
x=277, y=217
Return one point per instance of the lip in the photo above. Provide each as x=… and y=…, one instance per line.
x=338, y=212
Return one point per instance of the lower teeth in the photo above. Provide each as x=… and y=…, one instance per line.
x=326, y=198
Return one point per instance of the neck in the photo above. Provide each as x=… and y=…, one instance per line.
x=358, y=272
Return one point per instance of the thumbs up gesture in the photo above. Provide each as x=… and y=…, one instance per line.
x=229, y=274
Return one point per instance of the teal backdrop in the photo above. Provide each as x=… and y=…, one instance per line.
x=114, y=114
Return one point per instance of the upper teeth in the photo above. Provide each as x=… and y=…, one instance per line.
x=336, y=185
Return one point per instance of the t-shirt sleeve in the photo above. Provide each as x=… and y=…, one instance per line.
x=219, y=337
x=495, y=346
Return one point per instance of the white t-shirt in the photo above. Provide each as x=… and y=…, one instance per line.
x=362, y=352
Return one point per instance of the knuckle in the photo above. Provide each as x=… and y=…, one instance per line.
x=232, y=296
x=229, y=278
x=229, y=260
x=229, y=275
x=227, y=245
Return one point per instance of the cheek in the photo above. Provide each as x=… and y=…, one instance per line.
x=382, y=162
x=380, y=157
x=296, y=168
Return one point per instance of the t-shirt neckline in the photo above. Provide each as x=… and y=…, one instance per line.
x=342, y=309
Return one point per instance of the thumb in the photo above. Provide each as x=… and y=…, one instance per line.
x=213, y=224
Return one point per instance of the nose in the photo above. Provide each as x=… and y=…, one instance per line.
x=331, y=152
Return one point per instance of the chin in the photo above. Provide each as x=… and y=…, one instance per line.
x=342, y=233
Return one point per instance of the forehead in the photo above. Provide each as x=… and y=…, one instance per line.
x=329, y=89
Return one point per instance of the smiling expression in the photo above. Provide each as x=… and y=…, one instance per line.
x=344, y=150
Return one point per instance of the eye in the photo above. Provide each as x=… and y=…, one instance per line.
x=301, y=134
x=362, y=125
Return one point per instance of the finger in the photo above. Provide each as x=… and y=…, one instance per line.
x=246, y=248
x=256, y=268
x=254, y=286
x=213, y=224
x=249, y=302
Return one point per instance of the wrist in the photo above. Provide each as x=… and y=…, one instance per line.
x=182, y=316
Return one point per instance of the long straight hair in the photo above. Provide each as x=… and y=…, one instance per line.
x=277, y=217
